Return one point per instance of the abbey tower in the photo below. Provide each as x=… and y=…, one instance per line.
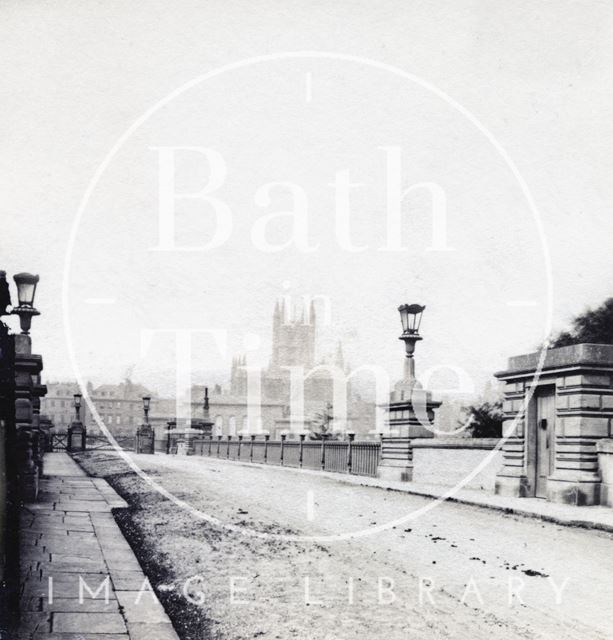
x=293, y=338
x=293, y=346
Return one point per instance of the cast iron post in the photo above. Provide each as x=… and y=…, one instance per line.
x=350, y=451
x=283, y=436
x=301, y=450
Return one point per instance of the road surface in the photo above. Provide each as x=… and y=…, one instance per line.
x=455, y=571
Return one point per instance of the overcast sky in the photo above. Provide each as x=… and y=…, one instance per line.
x=77, y=75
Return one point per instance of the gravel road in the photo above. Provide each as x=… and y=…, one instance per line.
x=453, y=572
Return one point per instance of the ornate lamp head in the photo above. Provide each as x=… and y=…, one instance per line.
x=26, y=290
x=146, y=405
x=410, y=316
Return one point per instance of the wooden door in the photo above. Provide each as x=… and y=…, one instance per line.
x=545, y=439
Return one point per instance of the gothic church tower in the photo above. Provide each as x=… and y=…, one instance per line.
x=293, y=339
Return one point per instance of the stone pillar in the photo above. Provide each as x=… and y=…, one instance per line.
x=578, y=380
x=27, y=365
x=410, y=415
x=512, y=480
x=170, y=426
x=42, y=434
x=145, y=439
x=77, y=436
x=604, y=448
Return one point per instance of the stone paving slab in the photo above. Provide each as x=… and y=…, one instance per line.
x=89, y=605
x=81, y=621
x=141, y=606
x=70, y=533
x=64, y=589
x=128, y=580
x=34, y=623
x=147, y=631
x=88, y=506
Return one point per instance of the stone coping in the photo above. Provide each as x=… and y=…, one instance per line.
x=455, y=443
x=571, y=356
x=184, y=432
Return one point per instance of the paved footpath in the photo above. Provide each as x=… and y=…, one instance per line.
x=70, y=541
x=593, y=517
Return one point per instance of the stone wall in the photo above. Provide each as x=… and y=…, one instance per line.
x=446, y=462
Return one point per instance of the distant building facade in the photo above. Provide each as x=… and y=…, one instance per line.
x=120, y=406
x=293, y=348
x=58, y=404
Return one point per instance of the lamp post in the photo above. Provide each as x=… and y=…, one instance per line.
x=145, y=436
x=146, y=406
x=410, y=317
x=410, y=410
x=26, y=364
x=205, y=404
x=77, y=428
x=207, y=423
x=77, y=406
x=26, y=290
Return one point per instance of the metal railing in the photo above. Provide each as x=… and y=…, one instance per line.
x=95, y=442
x=340, y=456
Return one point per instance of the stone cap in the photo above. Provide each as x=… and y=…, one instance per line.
x=585, y=355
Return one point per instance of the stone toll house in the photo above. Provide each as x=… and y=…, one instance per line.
x=558, y=421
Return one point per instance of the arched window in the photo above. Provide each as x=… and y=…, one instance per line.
x=218, y=425
x=232, y=426
x=245, y=424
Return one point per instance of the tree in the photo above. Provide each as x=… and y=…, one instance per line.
x=322, y=426
x=594, y=325
x=484, y=419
